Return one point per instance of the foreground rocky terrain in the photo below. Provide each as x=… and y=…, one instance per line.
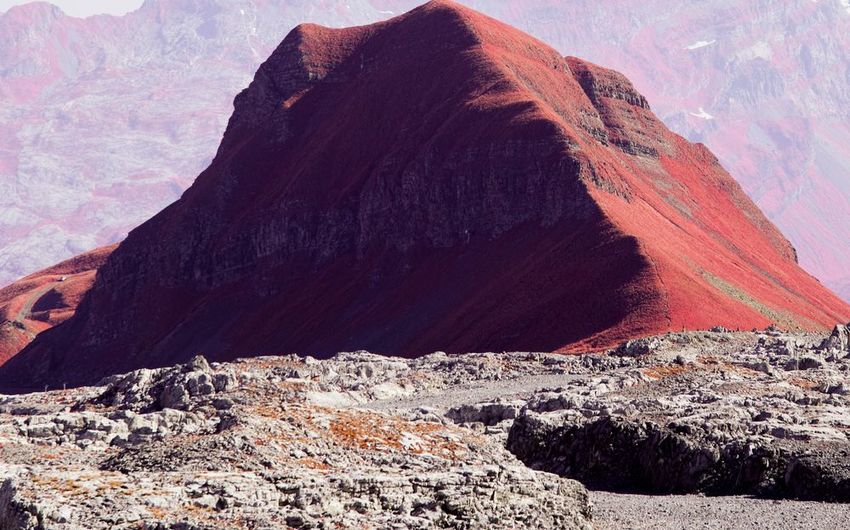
x=266, y=443
x=367, y=441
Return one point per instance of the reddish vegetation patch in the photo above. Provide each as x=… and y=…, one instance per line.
x=439, y=181
x=712, y=361
x=375, y=432
x=802, y=382
x=312, y=463
x=660, y=372
x=45, y=299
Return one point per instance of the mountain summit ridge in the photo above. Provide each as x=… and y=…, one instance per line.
x=438, y=181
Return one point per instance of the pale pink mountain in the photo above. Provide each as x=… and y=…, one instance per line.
x=105, y=120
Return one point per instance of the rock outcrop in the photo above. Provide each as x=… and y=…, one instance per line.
x=439, y=181
x=838, y=341
x=251, y=445
x=362, y=439
x=767, y=420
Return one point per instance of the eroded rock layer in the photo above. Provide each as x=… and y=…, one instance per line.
x=387, y=442
x=254, y=445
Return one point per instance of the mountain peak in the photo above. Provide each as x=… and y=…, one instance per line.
x=437, y=181
x=33, y=13
x=445, y=6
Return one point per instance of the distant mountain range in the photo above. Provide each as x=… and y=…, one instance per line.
x=106, y=120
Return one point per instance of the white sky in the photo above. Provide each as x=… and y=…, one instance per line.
x=84, y=8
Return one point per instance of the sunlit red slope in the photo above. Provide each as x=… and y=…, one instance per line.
x=440, y=181
x=45, y=299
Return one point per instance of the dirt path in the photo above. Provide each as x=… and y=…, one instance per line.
x=26, y=309
x=614, y=511
x=506, y=389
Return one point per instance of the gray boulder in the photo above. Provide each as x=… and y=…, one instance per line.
x=839, y=340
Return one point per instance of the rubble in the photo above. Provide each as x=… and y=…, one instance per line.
x=364, y=440
x=249, y=445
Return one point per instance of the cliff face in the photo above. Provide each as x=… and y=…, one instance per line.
x=763, y=84
x=439, y=181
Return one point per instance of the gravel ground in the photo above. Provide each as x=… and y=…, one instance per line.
x=480, y=391
x=208, y=435
x=614, y=511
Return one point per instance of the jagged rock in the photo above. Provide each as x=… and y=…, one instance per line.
x=637, y=347
x=713, y=423
x=262, y=451
x=627, y=455
x=289, y=441
x=839, y=340
x=176, y=388
x=804, y=363
x=486, y=413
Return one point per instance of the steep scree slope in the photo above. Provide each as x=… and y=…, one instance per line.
x=436, y=181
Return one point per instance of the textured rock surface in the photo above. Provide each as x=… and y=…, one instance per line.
x=265, y=443
x=517, y=172
x=770, y=420
x=838, y=342
x=44, y=299
x=362, y=439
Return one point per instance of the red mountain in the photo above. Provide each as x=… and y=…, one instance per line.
x=45, y=299
x=439, y=181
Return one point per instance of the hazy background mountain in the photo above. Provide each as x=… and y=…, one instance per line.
x=107, y=119
x=84, y=8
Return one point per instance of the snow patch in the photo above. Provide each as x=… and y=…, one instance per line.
x=703, y=43
x=702, y=114
x=845, y=4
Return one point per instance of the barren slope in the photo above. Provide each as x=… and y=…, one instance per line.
x=45, y=299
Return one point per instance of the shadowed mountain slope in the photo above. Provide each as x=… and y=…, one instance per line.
x=439, y=181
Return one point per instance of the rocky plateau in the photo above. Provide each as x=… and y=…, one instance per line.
x=367, y=441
